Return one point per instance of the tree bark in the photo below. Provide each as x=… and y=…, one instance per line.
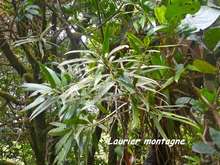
x=95, y=140
x=112, y=156
x=11, y=57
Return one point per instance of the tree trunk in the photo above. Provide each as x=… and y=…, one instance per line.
x=95, y=140
x=112, y=156
x=158, y=155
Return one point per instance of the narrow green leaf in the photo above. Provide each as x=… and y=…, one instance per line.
x=63, y=147
x=42, y=107
x=178, y=118
x=104, y=88
x=35, y=87
x=179, y=70
x=126, y=82
x=59, y=131
x=167, y=83
x=34, y=12
x=135, y=123
x=135, y=42
x=81, y=51
x=29, y=16
x=145, y=79
x=118, y=48
x=58, y=124
x=51, y=76
x=107, y=33
x=184, y=100
x=36, y=102
x=102, y=108
x=65, y=78
x=159, y=128
x=77, y=60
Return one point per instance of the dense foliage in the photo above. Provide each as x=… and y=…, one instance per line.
x=77, y=75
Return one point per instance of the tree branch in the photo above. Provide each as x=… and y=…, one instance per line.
x=14, y=61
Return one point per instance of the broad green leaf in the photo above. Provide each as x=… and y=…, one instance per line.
x=212, y=37
x=160, y=14
x=203, y=148
x=215, y=135
x=158, y=59
x=193, y=68
x=66, y=148
x=199, y=106
x=177, y=9
x=204, y=67
x=209, y=95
